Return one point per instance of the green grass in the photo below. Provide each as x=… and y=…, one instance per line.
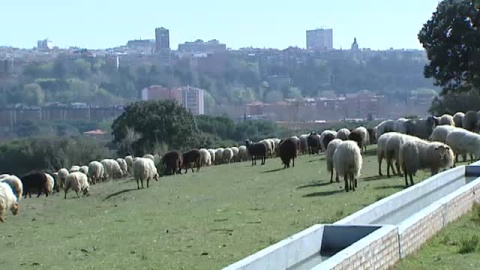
x=456, y=247
x=204, y=220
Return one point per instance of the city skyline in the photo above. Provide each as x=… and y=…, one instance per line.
x=94, y=25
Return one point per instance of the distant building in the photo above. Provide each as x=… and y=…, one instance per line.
x=45, y=45
x=141, y=44
x=199, y=46
x=320, y=39
x=190, y=97
x=355, y=50
x=162, y=39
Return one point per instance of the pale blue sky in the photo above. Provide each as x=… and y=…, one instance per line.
x=377, y=24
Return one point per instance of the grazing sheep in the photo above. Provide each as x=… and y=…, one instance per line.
x=347, y=161
x=74, y=168
x=111, y=169
x=242, y=153
x=78, y=182
x=440, y=133
x=36, y=182
x=342, y=134
x=206, y=158
x=447, y=120
x=149, y=156
x=382, y=150
x=123, y=165
x=287, y=150
x=332, y=146
x=392, y=150
x=50, y=182
x=361, y=137
x=256, y=150
x=219, y=156
x=235, y=151
x=61, y=178
x=15, y=183
x=314, y=145
x=212, y=156
x=458, y=119
x=173, y=162
x=227, y=155
x=276, y=143
x=84, y=169
x=303, y=144
x=8, y=200
x=470, y=121
x=421, y=128
x=464, y=142
x=297, y=141
x=419, y=154
x=144, y=169
x=326, y=137
x=95, y=171
x=129, y=160
x=385, y=127
x=190, y=159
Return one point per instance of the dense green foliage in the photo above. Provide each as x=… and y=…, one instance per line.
x=456, y=102
x=237, y=79
x=146, y=125
x=49, y=153
x=451, y=38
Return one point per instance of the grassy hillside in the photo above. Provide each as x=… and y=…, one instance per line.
x=204, y=220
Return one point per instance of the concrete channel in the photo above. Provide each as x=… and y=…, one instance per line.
x=379, y=235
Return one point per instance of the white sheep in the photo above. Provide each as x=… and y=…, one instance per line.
x=50, y=183
x=363, y=132
x=270, y=146
x=440, y=133
x=129, y=160
x=219, y=156
x=242, y=153
x=447, y=120
x=332, y=146
x=470, y=121
x=392, y=150
x=212, y=155
x=235, y=151
x=420, y=155
x=74, y=168
x=62, y=177
x=8, y=200
x=342, y=134
x=347, y=161
x=84, y=169
x=95, y=172
x=78, y=182
x=382, y=150
x=464, y=142
x=385, y=127
x=205, y=157
x=150, y=156
x=112, y=169
x=144, y=170
x=123, y=165
x=14, y=182
x=458, y=119
x=303, y=143
x=227, y=155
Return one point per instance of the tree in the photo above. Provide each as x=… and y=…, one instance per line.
x=155, y=122
x=451, y=38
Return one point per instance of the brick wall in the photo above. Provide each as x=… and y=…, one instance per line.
x=459, y=206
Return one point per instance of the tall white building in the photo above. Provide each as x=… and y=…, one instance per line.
x=320, y=39
x=192, y=99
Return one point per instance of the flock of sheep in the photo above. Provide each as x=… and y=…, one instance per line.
x=407, y=145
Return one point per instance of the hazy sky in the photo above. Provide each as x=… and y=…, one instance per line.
x=377, y=24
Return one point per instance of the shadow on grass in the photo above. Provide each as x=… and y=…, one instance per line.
x=390, y=187
x=374, y=178
x=370, y=152
x=315, y=184
x=323, y=193
x=119, y=193
x=274, y=170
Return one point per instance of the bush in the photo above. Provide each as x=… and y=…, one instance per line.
x=49, y=153
x=469, y=245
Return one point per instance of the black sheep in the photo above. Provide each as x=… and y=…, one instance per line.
x=35, y=182
x=327, y=139
x=356, y=136
x=191, y=158
x=172, y=162
x=313, y=141
x=288, y=151
x=257, y=150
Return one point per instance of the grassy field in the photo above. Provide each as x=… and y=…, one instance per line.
x=456, y=247
x=204, y=220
